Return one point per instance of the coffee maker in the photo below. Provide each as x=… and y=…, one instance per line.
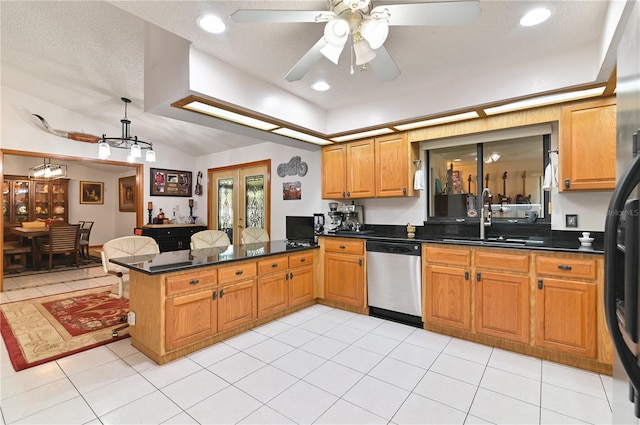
x=335, y=217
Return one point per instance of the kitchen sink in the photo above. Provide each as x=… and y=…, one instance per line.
x=496, y=241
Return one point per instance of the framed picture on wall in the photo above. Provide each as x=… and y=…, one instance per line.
x=170, y=182
x=91, y=192
x=127, y=194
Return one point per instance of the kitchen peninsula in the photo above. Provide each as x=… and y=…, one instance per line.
x=185, y=300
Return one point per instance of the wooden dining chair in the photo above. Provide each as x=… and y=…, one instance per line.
x=85, y=233
x=62, y=239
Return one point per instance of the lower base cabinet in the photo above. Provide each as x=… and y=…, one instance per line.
x=344, y=279
x=566, y=316
x=191, y=318
x=447, y=300
x=301, y=285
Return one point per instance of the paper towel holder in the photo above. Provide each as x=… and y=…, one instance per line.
x=417, y=163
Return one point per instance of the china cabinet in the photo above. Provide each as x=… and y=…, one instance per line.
x=26, y=199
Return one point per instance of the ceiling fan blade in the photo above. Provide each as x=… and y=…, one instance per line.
x=305, y=63
x=384, y=66
x=443, y=13
x=275, y=16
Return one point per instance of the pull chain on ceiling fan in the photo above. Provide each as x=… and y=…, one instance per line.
x=365, y=26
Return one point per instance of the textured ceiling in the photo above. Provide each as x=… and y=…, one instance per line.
x=85, y=55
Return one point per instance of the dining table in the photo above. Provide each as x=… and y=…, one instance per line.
x=33, y=233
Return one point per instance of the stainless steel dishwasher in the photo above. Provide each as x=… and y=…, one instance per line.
x=394, y=281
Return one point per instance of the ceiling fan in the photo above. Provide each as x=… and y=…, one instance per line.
x=364, y=27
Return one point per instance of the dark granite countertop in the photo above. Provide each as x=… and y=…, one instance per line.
x=559, y=244
x=172, y=261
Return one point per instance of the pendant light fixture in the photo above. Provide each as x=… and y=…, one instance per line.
x=126, y=141
x=47, y=170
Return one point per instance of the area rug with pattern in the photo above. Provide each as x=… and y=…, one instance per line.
x=40, y=330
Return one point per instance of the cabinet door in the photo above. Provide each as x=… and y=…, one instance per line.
x=448, y=297
x=190, y=318
x=360, y=169
x=344, y=279
x=588, y=145
x=566, y=316
x=300, y=285
x=272, y=293
x=334, y=168
x=236, y=304
x=392, y=165
x=502, y=305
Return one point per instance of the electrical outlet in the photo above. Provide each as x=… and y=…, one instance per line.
x=131, y=318
x=177, y=208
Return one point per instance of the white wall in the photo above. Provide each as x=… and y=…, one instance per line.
x=311, y=186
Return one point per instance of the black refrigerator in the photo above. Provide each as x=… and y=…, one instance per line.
x=622, y=232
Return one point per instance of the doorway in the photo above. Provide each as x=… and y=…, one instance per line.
x=240, y=197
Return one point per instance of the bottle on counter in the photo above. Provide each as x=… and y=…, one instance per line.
x=160, y=216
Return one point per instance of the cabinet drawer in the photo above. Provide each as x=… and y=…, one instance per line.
x=302, y=259
x=461, y=257
x=502, y=261
x=191, y=281
x=344, y=246
x=235, y=272
x=566, y=267
x=272, y=264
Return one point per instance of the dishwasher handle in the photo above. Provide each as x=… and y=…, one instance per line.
x=400, y=248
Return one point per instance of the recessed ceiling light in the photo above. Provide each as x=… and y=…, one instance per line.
x=457, y=160
x=211, y=23
x=535, y=17
x=320, y=86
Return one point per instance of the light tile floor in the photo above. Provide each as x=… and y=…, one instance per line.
x=320, y=365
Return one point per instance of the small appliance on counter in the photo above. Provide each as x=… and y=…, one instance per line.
x=346, y=218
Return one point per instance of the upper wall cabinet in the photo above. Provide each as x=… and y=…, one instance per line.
x=380, y=167
x=588, y=145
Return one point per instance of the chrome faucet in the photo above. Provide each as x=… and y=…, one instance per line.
x=485, y=217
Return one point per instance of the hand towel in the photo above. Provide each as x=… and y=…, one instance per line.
x=418, y=180
x=550, y=177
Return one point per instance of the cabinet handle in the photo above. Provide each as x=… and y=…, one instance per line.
x=360, y=262
x=286, y=276
x=274, y=265
x=478, y=277
x=342, y=247
x=215, y=295
x=221, y=293
x=291, y=275
x=404, y=190
x=302, y=260
x=343, y=195
x=564, y=267
x=567, y=184
x=194, y=281
x=539, y=283
x=466, y=275
x=238, y=273
x=348, y=194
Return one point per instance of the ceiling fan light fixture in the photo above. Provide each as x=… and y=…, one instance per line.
x=332, y=52
x=357, y=4
x=375, y=32
x=336, y=32
x=364, y=53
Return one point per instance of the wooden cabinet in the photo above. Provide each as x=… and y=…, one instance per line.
x=447, y=287
x=380, y=167
x=502, y=294
x=201, y=304
x=348, y=171
x=588, y=145
x=171, y=237
x=28, y=200
x=301, y=278
x=284, y=282
x=237, y=304
x=394, y=166
x=344, y=271
x=566, y=307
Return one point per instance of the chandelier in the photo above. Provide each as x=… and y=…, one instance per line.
x=125, y=141
x=47, y=170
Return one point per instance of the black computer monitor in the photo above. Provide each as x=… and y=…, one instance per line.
x=299, y=229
